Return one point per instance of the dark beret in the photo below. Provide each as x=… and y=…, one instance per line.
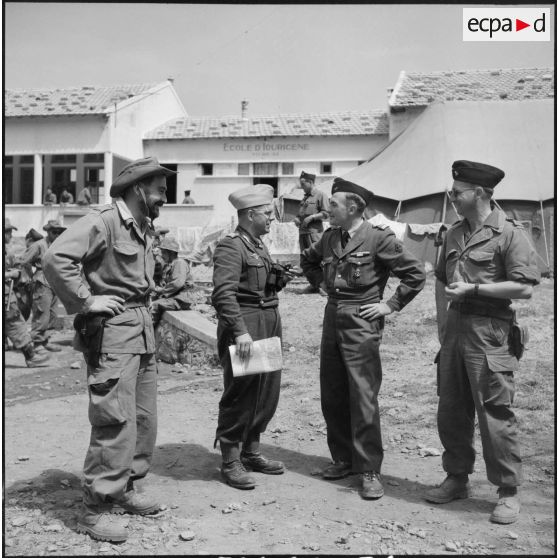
x=340, y=185
x=308, y=176
x=480, y=174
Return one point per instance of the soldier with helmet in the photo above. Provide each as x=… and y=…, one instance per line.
x=486, y=261
x=247, y=308
x=175, y=292
x=15, y=328
x=355, y=258
x=102, y=269
x=43, y=309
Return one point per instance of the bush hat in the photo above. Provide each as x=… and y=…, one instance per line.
x=480, y=174
x=252, y=196
x=341, y=185
x=135, y=171
x=54, y=224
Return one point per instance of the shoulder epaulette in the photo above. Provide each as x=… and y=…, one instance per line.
x=232, y=235
x=381, y=226
x=515, y=222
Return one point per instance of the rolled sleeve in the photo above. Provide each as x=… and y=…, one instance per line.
x=520, y=259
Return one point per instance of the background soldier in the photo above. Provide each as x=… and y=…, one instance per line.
x=188, y=199
x=357, y=259
x=248, y=311
x=313, y=210
x=44, y=298
x=50, y=197
x=175, y=292
x=486, y=261
x=15, y=328
x=115, y=333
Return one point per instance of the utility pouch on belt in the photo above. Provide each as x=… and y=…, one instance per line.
x=90, y=330
x=519, y=335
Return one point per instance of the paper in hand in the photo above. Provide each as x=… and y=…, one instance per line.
x=266, y=357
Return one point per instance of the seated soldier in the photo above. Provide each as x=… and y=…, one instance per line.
x=175, y=292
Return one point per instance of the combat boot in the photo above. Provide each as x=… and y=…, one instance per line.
x=257, y=462
x=33, y=359
x=235, y=475
x=372, y=488
x=102, y=525
x=507, y=509
x=135, y=503
x=454, y=487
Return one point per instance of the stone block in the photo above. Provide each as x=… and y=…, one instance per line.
x=188, y=337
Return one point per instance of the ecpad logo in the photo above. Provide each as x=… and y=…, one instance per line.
x=506, y=24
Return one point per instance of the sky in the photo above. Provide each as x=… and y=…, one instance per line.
x=282, y=59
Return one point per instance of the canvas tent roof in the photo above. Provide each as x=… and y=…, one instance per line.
x=516, y=136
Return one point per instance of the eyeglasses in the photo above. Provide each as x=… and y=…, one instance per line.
x=455, y=193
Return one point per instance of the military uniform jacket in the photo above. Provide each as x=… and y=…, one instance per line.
x=360, y=271
x=106, y=253
x=176, y=278
x=311, y=204
x=33, y=257
x=241, y=264
x=500, y=251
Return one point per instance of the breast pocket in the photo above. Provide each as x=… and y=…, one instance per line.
x=360, y=270
x=126, y=255
x=256, y=275
x=481, y=258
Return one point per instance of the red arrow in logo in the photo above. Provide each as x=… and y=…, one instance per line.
x=519, y=25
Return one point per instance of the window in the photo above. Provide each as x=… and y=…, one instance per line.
x=266, y=169
x=207, y=169
x=93, y=158
x=287, y=168
x=63, y=159
x=326, y=168
x=8, y=160
x=243, y=169
x=26, y=160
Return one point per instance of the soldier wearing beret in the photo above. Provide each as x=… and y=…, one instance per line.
x=486, y=261
x=356, y=258
x=247, y=308
x=15, y=328
x=102, y=269
x=43, y=309
x=176, y=282
x=313, y=210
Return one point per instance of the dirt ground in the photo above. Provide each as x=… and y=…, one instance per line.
x=46, y=435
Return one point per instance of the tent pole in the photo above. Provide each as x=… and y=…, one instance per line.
x=397, y=211
x=544, y=236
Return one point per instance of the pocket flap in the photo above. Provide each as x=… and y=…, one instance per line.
x=327, y=260
x=125, y=248
x=481, y=256
x=502, y=363
x=255, y=263
x=359, y=260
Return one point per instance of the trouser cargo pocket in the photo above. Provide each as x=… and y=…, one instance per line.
x=105, y=407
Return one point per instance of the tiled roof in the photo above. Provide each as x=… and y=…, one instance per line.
x=330, y=124
x=88, y=99
x=417, y=89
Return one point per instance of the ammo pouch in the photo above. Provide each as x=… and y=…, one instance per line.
x=90, y=328
x=519, y=335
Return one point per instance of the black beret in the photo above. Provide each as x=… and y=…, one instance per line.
x=483, y=175
x=307, y=176
x=340, y=185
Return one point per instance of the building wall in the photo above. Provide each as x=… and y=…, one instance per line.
x=56, y=135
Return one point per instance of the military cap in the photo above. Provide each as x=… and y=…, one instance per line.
x=480, y=174
x=8, y=225
x=308, y=176
x=341, y=185
x=135, y=171
x=170, y=244
x=252, y=196
x=54, y=224
x=34, y=235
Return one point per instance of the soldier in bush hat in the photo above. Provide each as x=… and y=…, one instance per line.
x=102, y=269
x=354, y=259
x=247, y=307
x=15, y=328
x=313, y=210
x=32, y=236
x=43, y=307
x=176, y=290
x=485, y=262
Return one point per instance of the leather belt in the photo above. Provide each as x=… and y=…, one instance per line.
x=482, y=310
